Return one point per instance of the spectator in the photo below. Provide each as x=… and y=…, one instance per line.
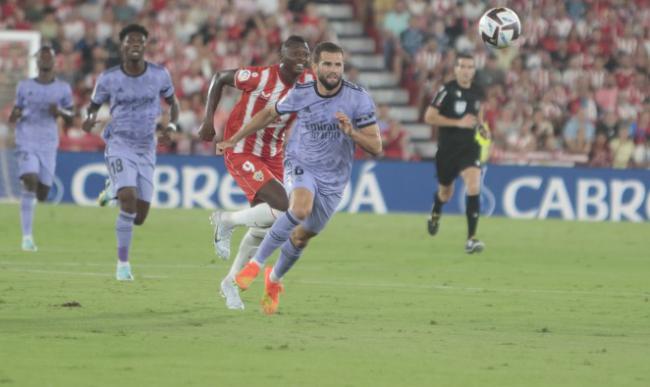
x=394, y=137
x=506, y=125
x=641, y=128
x=522, y=141
x=491, y=74
x=578, y=133
x=600, y=154
x=85, y=47
x=642, y=154
x=412, y=38
x=123, y=12
x=607, y=96
x=542, y=128
x=396, y=21
x=624, y=108
x=48, y=27
x=188, y=120
x=596, y=56
x=607, y=124
x=622, y=147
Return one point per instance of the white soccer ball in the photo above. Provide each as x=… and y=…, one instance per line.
x=499, y=27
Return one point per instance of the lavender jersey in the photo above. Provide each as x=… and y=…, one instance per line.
x=316, y=142
x=37, y=129
x=135, y=106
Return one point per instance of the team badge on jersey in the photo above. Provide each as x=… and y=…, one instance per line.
x=243, y=75
x=460, y=106
x=258, y=176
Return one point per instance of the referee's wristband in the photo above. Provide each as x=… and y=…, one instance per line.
x=172, y=126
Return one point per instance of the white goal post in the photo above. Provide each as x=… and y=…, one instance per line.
x=33, y=41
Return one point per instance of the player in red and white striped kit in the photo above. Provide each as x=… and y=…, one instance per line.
x=256, y=162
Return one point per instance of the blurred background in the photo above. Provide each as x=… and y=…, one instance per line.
x=575, y=91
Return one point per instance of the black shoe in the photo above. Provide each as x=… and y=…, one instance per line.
x=474, y=246
x=433, y=223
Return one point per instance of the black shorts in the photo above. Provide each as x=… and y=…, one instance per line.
x=452, y=160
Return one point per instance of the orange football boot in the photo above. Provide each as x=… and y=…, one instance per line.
x=272, y=290
x=247, y=275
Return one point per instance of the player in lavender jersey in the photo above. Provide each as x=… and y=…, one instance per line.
x=39, y=102
x=333, y=116
x=133, y=91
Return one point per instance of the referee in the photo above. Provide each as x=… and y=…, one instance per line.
x=456, y=110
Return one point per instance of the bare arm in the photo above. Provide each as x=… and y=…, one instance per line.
x=16, y=114
x=259, y=121
x=217, y=83
x=172, y=126
x=66, y=114
x=173, y=112
x=433, y=117
x=368, y=137
x=91, y=118
x=483, y=127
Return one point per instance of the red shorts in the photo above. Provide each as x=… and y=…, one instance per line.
x=252, y=172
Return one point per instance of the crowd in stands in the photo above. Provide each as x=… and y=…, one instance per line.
x=576, y=88
x=191, y=38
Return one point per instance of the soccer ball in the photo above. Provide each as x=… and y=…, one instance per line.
x=499, y=27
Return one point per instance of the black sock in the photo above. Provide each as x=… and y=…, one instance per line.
x=437, y=204
x=473, y=207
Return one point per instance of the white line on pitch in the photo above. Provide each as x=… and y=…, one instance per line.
x=378, y=285
x=78, y=273
x=91, y=264
x=470, y=289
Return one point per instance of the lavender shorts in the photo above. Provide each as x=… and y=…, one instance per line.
x=324, y=205
x=131, y=170
x=40, y=163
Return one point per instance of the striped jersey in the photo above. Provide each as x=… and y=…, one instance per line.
x=261, y=87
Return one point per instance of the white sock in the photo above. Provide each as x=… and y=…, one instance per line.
x=273, y=277
x=262, y=215
x=247, y=249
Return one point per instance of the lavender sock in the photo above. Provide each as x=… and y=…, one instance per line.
x=124, y=231
x=289, y=254
x=27, y=203
x=277, y=235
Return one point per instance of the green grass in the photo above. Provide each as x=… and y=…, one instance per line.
x=374, y=301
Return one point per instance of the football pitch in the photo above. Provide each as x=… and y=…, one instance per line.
x=374, y=301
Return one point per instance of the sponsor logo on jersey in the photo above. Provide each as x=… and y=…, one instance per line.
x=243, y=75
